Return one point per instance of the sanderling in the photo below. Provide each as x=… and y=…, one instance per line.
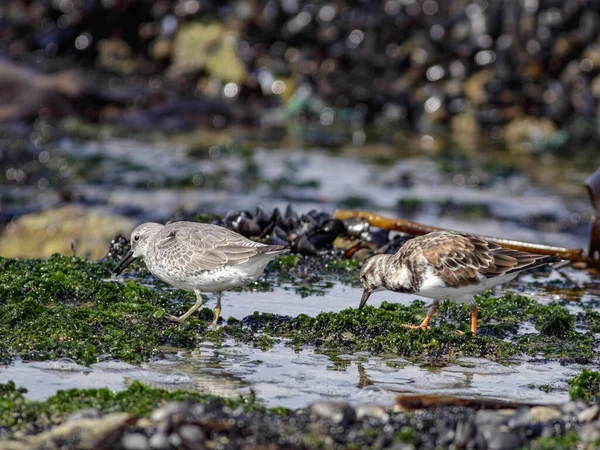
x=446, y=266
x=198, y=257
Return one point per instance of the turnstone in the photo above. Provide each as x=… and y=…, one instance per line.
x=446, y=266
x=198, y=257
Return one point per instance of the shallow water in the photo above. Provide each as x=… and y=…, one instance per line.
x=285, y=377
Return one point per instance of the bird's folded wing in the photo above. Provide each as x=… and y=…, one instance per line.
x=209, y=247
x=459, y=259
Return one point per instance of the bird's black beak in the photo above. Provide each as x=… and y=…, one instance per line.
x=127, y=259
x=365, y=297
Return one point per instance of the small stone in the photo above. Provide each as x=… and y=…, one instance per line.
x=544, y=413
x=166, y=411
x=337, y=412
x=196, y=411
x=445, y=437
x=521, y=418
x=548, y=431
x=486, y=417
x=144, y=422
x=534, y=430
x=372, y=411
x=573, y=407
x=588, y=414
x=85, y=413
x=159, y=441
x=402, y=446
x=191, y=435
x=463, y=433
x=175, y=440
x=589, y=432
x=134, y=441
x=504, y=440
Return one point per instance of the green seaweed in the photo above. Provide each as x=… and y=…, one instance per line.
x=585, y=386
x=65, y=307
x=567, y=441
x=555, y=320
x=68, y=307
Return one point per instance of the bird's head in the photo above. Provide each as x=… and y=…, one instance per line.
x=140, y=238
x=371, y=277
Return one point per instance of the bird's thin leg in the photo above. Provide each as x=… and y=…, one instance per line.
x=192, y=310
x=474, y=318
x=425, y=324
x=217, y=310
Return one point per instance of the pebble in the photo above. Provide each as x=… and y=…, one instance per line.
x=134, y=441
x=589, y=432
x=493, y=418
x=521, y=418
x=166, y=411
x=504, y=440
x=589, y=414
x=463, y=433
x=159, y=441
x=445, y=437
x=337, y=412
x=85, y=413
x=372, y=411
x=544, y=413
x=572, y=407
x=191, y=435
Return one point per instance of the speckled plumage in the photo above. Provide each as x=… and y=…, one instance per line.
x=199, y=257
x=446, y=265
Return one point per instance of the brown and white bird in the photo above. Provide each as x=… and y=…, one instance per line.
x=446, y=266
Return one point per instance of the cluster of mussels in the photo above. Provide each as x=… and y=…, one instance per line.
x=312, y=232
x=333, y=425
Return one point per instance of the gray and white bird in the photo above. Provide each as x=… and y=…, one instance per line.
x=199, y=257
x=446, y=266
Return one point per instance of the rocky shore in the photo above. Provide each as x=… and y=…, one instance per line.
x=141, y=418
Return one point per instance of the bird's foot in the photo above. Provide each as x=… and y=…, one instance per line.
x=217, y=313
x=462, y=333
x=414, y=327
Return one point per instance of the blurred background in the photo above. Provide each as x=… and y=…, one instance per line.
x=473, y=115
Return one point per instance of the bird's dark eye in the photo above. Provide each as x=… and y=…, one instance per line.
x=136, y=237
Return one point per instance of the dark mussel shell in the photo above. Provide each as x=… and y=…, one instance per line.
x=318, y=238
x=117, y=247
x=303, y=246
x=262, y=217
x=334, y=226
x=248, y=228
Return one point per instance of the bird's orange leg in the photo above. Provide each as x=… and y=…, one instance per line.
x=425, y=324
x=474, y=319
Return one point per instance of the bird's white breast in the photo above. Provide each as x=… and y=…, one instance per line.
x=434, y=287
x=220, y=279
